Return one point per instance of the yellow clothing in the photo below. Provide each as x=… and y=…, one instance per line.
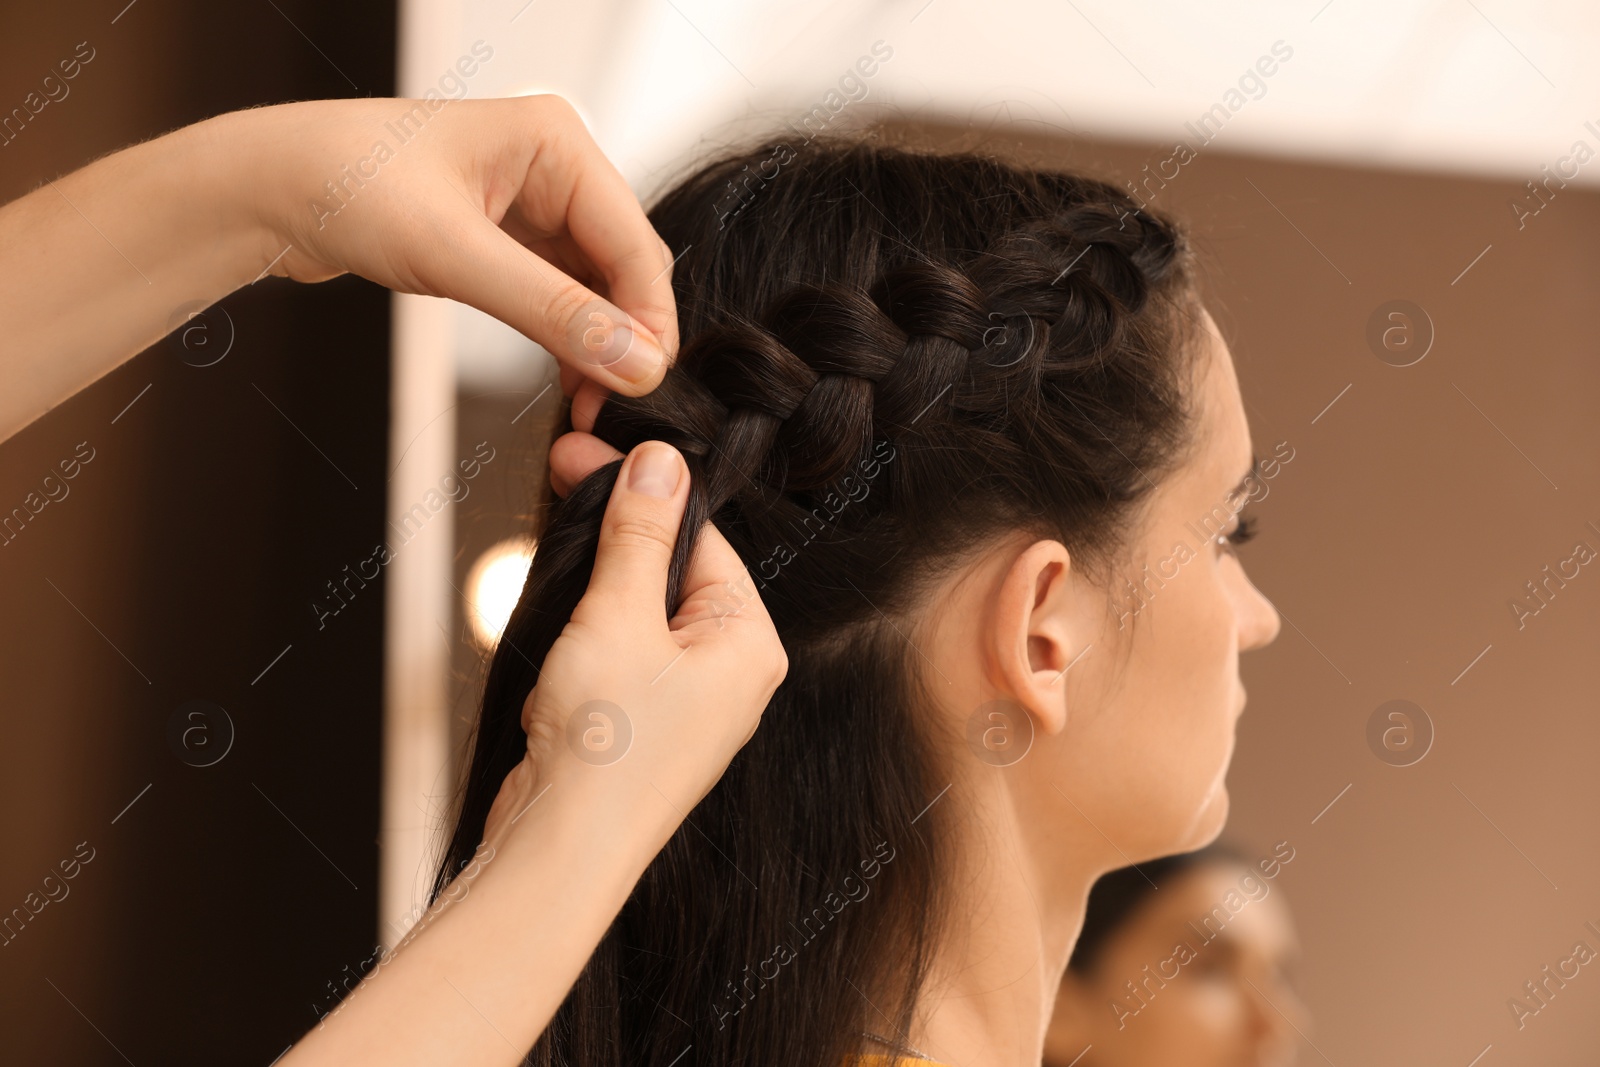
x=877, y=1059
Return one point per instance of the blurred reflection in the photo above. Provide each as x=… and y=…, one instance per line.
x=1184, y=960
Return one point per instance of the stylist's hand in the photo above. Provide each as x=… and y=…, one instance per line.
x=506, y=205
x=690, y=689
x=555, y=870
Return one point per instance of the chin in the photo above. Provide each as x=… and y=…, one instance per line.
x=1206, y=820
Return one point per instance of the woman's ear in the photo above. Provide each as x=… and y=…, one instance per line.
x=1037, y=631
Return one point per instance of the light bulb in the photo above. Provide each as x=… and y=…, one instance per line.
x=494, y=585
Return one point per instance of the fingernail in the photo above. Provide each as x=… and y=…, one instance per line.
x=641, y=359
x=602, y=336
x=599, y=334
x=655, y=470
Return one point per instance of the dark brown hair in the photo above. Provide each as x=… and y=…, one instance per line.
x=890, y=357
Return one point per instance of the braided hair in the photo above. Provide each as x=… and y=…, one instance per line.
x=890, y=357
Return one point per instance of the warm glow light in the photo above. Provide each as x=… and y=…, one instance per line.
x=494, y=585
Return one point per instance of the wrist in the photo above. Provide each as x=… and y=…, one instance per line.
x=230, y=161
x=615, y=820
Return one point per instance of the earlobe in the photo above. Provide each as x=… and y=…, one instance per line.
x=1032, y=636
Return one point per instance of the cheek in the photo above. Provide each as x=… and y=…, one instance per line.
x=1208, y=1017
x=1151, y=728
x=1189, y=1022
x=1209, y=621
x=1187, y=652
x=1184, y=665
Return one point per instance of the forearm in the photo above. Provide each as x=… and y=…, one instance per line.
x=98, y=265
x=484, y=975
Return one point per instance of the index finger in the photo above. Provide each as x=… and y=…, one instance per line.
x=586, y=194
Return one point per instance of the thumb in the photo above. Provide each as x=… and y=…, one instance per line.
x=638, y=532
x=492, y=271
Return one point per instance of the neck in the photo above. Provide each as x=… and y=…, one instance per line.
x=1013, y=920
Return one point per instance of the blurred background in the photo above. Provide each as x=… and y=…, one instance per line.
x=1396, y=203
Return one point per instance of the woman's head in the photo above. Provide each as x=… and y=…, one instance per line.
x=946, y=410
x=1185, y=959
x=1127, y=686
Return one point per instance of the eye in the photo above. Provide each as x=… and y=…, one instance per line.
x=1243, y=532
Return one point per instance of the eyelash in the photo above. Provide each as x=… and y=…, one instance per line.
x=1247, y=529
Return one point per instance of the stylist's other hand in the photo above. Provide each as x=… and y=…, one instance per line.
x=681, y=695
x=507, y=205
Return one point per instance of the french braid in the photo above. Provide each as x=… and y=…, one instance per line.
x=936, y=359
